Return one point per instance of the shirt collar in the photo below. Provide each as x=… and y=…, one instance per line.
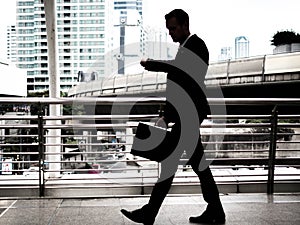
x=185, y=40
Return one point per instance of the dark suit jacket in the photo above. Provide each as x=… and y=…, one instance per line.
x=188, y=71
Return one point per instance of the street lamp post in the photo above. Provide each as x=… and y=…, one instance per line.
x=121, y=56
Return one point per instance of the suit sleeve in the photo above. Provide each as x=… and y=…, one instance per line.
x=166, y=66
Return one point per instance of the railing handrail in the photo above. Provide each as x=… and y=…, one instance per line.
x=146, y=100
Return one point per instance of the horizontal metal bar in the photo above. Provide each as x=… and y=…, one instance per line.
x=84, y=100
x=89, y=126
x=147, y=100
x=256, y=161
x=20, y=153
x=101, y=117
x=17, y=117
x=18, y=126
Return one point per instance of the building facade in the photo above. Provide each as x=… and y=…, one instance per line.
x=11, y=43
x=83, y=38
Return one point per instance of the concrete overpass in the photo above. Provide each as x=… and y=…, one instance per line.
x=262, y=76
x=269, y=76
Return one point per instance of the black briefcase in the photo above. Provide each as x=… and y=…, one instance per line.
x=151, y=142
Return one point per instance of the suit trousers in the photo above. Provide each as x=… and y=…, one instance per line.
x=160, y=190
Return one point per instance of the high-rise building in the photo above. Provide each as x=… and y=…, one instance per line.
x=11, y=43
x=241, y=47
x=84, y=29
x=129, y=34
x=127, y=5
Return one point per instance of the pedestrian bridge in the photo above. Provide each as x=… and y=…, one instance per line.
x=262, y=76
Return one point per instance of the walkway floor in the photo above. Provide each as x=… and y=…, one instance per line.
x=241, y=209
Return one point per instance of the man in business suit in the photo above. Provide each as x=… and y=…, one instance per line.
x=186, y=107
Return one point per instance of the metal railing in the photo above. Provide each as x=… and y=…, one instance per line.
x=89, y=155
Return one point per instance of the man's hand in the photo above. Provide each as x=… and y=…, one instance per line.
x=143, y=62
x=161, y=122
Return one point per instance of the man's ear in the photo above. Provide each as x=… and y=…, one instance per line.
x=185, y=25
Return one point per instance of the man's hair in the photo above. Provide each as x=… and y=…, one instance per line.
x=180, y=15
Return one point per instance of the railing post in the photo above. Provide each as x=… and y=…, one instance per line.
x=272, y=151
x=142, y=78
x=41, y=151
x=263, y=78
x=227, y=71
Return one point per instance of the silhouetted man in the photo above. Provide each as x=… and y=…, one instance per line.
x=186, y=107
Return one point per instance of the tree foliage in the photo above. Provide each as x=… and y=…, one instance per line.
x=285, y=37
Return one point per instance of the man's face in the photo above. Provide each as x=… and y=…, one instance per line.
x=176, y=31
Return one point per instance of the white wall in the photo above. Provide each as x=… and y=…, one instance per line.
x=12, y=80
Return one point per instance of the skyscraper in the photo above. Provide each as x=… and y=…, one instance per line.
x=241, y=47
x=83, y=33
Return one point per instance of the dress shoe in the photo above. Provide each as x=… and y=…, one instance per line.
x=209, y=218
x=138, y=216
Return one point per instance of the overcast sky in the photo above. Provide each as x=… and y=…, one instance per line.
x=218, y=22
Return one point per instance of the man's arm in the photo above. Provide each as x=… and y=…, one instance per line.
x=158, y=65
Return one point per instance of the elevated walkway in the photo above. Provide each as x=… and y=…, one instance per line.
x=258, y=209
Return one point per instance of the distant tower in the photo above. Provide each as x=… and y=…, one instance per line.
x=226, y=53
x=241, y=47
